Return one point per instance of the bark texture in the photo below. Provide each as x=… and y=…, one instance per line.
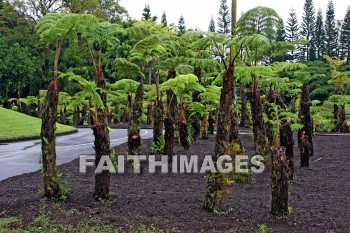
x=134, y=138
x=169, y=136
x=244, y=117
x=341, y=122
x=279, y=182
x=287, y=141
x=260, y=139
x=158, y=119
x=101, y=145
x=48, y=143
x=215, y=181
x=305, y=119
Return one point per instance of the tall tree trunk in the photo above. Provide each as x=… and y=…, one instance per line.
x=196, y=126
x=149, y=113
x=158, y=114
x=169, y=135
x=170, y=118
x=341, y=121
x=48, y=137
x=134, y=138
x=244, y=118
x=195, y=119
x=211, y=123
x=215, y=181
x=287, y=141
x=279, y=182
x=260, y=140
x=233, y=17
x=183, y=130
x=172, y=99
x=101, y=134
x=305, y=119
x=205, y=127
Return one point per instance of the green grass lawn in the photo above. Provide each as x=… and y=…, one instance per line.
x=18, y=125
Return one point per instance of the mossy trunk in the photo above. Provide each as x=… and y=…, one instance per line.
x=305, y=119
x=287, y=141
x=116, y=111
x=244, y=117
x=260, y=139
x=196, y=126
x=234, y=135
x=215, y=181
x=205, y=128
x=183, y=129
x=169, y=135
x=149, y=113
x=341, y=122
x=170, y=118
x=270, y=99
x=134, y=138
x=211, y=123
x=279, y=182
x=48, y=143
x=172, y=99
x=101, y=134
x=158, y=119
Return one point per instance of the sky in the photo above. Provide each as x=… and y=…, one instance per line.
x=197, y=13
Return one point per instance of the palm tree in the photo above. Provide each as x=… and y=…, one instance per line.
x=56, y=29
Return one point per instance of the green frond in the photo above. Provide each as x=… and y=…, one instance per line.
x=128, y=69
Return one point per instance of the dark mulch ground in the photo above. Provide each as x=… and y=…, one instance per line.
x=319, y=198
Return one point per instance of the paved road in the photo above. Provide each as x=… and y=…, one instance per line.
x=22, y=157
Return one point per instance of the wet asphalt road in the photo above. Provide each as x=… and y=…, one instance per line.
x=17, y=158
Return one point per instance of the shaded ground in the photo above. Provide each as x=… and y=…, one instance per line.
x=319, y=198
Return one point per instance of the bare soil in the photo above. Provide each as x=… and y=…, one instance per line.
x=319, y=197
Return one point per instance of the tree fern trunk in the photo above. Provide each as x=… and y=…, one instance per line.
x=211, y=123
x=169, y=135
x=279, y=182
x=244, y=118
x=215, y=181
x=102, y=140
x=260, y=140
x=134, y=138
x=305, y=118
x=48, y=143
x=287, y=141
x=341, y=121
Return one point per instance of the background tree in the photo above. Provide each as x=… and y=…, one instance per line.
x=211, y=27
x=307, y=29
x=345, y=37
x=224, y=19
x=146, y=12
x=319, y=38
x=330, y=31
x=233, y=17
x=163, y=19
x=181, y=24
x=292, y=31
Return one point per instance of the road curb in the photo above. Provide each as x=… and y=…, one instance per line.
x=35, y=137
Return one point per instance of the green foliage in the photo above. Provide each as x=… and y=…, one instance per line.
x=182, y=85
x=158, y=147
x=89, y=91
x=263, y=228
x=6, y=221
x=127, y=69
x=259, y=20
x=58, y=27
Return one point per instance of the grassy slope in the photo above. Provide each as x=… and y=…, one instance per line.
x=17, y=125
